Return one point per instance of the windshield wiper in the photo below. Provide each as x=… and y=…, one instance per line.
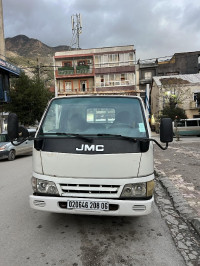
x=141, y=140
x=118, y=136
x=134, y=139
x=68, y=134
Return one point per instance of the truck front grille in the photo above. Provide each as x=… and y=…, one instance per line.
x=85, y=190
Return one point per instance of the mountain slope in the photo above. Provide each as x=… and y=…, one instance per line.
x=29, y=47
x=31, y=54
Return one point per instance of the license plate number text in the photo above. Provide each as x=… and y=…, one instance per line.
x=87, y=205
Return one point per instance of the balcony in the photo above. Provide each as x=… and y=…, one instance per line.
x=148, y=65
x=63, y=71
x=83, y=69
x=78, y=70
x=77, y=92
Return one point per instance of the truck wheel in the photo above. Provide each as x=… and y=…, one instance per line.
x=11, y=155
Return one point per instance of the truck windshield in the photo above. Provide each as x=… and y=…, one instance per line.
x=94, y=116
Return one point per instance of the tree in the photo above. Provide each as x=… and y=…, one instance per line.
x=174, y=92
x=28, y=99
x=172, y=111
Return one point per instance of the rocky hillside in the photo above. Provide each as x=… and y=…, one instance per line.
x=29, y=47
x=28, y=53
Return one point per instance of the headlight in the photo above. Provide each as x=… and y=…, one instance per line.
x=43, y=186
x=2, y=148
x=138, y=190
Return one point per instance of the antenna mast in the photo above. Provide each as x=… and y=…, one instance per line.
x=76, y=30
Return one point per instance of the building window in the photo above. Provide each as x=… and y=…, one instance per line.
x=67, y=64
x=97, y=60
x=112, y=60
x=117, y=79
x=105, y=60
x=89, y=62
x=197, y=99
x=68, y=86
x=130, y=78
x=199, y=59
x=124, y=59
x=102, y=80
x=106, y=78
x=82, y=63
x=83, y=85
x=122, y=79
x=131, y=59
x=113, y=80
x=147, y=75
x=98, y=81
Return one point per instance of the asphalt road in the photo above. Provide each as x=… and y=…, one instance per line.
x=29, y=237
x=181, y=164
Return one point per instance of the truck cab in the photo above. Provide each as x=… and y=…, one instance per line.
x=94, y=155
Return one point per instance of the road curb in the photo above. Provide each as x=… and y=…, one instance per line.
x=180, y=204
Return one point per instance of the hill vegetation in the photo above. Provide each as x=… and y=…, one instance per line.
x=32, y=56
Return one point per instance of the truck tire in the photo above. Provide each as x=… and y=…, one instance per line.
x=11, y=155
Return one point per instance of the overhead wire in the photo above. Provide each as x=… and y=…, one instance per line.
x=136, y=61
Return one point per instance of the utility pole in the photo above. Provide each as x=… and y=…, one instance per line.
x=2, y=56
x=2, y=40
x=38, y=69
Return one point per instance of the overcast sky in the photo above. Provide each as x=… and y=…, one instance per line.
x=156, y=28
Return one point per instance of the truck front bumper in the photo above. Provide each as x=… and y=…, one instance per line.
x=117, y=207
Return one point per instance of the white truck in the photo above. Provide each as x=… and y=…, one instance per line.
x=93, y=155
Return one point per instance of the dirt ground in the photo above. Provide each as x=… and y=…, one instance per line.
x=181, y=163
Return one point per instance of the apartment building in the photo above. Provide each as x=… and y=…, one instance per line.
x=178, y=64
x=185, y=87
x=109, y=70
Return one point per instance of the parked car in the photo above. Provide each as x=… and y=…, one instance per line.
x=9, y=151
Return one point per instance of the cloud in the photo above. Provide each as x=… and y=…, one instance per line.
x=156, y=28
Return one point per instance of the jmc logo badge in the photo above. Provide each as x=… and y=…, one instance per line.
x=86, y=147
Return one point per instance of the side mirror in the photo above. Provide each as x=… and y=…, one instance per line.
x=166, y=130
x=16, y=132
x=13, y=127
